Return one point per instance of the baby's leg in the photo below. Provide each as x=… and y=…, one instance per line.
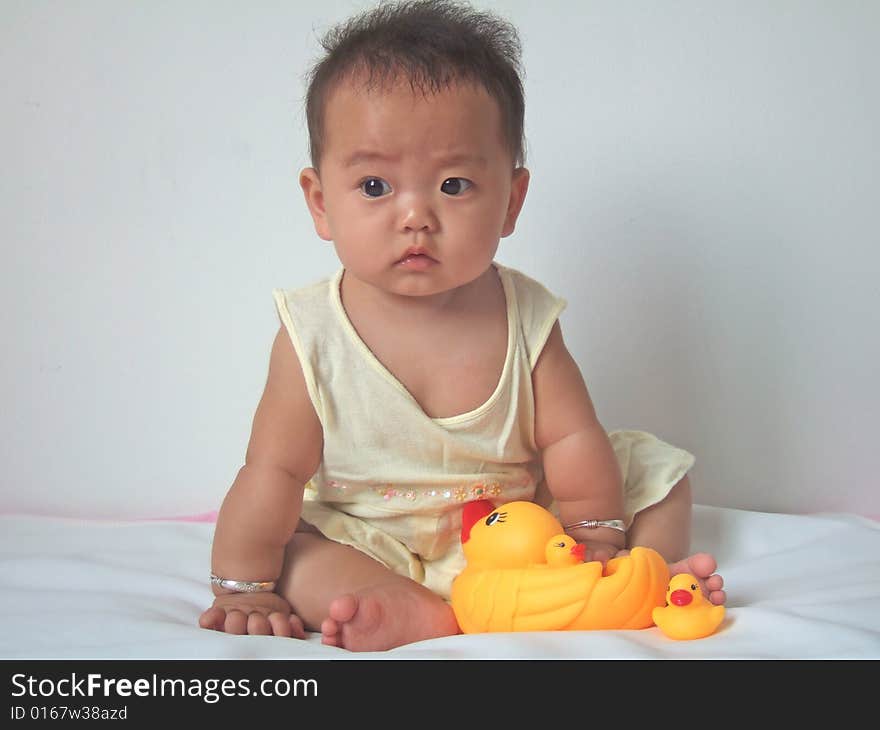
x=356, y=602
x=666, y=527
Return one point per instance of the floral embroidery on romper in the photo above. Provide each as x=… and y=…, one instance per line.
x=479, y=490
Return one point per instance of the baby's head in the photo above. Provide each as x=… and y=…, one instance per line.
x=415, y=119
x=430, y=44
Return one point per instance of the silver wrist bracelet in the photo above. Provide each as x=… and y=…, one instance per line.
x=242, y=586
x=593, y=524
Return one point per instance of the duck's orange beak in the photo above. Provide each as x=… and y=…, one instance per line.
x=472, y=513
x=680, y=598
x=579, y=551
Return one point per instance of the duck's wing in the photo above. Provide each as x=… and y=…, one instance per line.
x=551, y=598
x=627, y=594
x=526, y=599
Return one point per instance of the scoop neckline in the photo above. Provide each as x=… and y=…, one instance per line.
x=510, y=300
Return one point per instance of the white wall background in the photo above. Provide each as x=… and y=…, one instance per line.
x=704, y=192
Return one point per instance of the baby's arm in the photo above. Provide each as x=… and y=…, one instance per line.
x=262, y=508
x=580, y=467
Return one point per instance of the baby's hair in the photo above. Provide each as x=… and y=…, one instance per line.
x=432, y=44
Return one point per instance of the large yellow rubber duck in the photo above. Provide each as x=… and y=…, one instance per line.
x=522, y=575
x=687, y=615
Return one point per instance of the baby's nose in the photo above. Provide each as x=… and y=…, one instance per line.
x=418, y=215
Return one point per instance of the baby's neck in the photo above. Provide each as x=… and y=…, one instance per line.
x=448, y=352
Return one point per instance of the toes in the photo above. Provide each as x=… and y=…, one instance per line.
x=718, y=598
x=344, y=608
x=702, y=565
x=329, y=632
x=714, y=582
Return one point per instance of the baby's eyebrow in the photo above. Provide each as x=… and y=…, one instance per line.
x=361, y=156
x=463, y=157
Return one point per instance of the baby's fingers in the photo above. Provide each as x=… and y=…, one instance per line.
x=603, y=555
x=213, y=618
x=236, y=622
x=279, y=624
x=287, y=625
x=255, y=623
x=297, y=629
x=258, y=625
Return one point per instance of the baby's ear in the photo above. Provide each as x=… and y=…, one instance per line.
x=518, y=188
x=310, y=182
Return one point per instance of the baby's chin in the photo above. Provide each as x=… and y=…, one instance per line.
x=421, y=284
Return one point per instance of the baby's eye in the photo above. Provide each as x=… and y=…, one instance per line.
x=374, y=187
x=455, y=185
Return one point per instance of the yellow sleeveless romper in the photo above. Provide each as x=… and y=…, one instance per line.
x=393, y=480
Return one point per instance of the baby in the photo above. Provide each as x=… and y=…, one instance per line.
x=423, y=375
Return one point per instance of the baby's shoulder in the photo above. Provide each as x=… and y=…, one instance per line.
x=312, y=291
x=534, y=300
x=306, y=306
x=526, y=287
x=537, y=308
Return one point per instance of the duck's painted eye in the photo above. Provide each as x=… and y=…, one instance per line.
x=560, y=544
x=693, y=587
x=492, y=519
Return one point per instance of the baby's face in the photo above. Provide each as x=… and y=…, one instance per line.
x=415, y=191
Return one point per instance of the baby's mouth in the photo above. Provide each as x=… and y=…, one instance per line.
x=416, y=257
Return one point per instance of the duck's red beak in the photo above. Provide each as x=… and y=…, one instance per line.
x=680, y=598
x=579, y=551
x=472, y=513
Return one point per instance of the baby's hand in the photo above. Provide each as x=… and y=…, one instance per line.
x=266, y=614
x=601, y=551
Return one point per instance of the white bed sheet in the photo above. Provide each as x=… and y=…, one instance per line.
x=798, y=587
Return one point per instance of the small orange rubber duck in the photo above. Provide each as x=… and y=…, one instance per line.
x=687, y=614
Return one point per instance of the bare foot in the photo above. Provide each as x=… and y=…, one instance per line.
x=702, y=566
x=382, y=617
